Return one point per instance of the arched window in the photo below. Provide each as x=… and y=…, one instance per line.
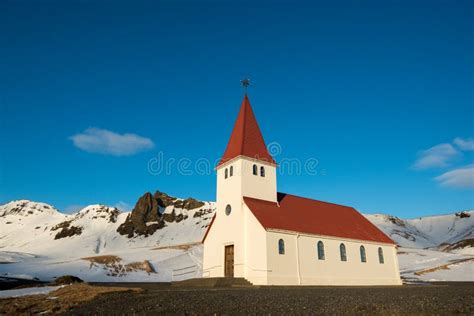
x=262, y=171
x=381, y=255
x=231, y=171
x=281, y=247
x=228, y=209
x=320, y=250
x=226, y=173
x=342, y=250
x=363, y=258
x=255, y=170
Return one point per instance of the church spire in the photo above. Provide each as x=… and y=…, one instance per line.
x=246, y=138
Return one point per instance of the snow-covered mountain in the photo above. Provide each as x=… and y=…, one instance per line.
x=452, y=232
x=160, y=241
x=432, y=248
x=101, y=243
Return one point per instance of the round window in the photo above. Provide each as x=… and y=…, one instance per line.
x=228, y=209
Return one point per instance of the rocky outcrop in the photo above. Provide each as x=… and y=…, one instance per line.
x=463, y=214
x=147, y=216
x=102, y=211
x=25, y=208
x=66, y=230
x=173, y=217
x=395, y=220
x=144, y=219
x=203, y=212
x=165, y=200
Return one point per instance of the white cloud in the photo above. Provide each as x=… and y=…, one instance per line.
x=459, y=178
x=123, y=206
x=464, y=144
x=102, y=141
x=436, y=156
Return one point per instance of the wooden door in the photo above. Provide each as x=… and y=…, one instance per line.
x=229, y=261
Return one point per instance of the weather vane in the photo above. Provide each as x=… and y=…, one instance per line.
x=245, y=83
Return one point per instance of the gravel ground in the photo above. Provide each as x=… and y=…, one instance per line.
x=433, y=299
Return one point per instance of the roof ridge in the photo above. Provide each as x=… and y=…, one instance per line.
x=310, y=199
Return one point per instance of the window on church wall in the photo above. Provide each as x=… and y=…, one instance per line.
x=231, y=171
x=226, y=173
x=262, y=171
x=255, y=170
x=363, y=257
x=281, y=247
x=342, y=250
x=228, y=210
x=381, y=260
x=320, y=250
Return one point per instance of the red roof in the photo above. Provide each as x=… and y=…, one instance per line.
x=209, y=228
x=246, y=138
x=298, y=214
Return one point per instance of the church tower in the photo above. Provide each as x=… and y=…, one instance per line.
x=246, y=168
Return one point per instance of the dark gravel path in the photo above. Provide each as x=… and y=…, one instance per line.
x=439, y=299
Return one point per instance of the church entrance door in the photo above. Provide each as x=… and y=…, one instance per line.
x=229, y=261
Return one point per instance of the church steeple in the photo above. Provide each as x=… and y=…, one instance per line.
x=246, y=138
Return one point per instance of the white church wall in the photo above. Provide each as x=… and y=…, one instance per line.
x=282, y=267
x=245, y=183
x=226, y=229
x=229, y=229
x=306, y=269
x=256, y=250
x=256, y=186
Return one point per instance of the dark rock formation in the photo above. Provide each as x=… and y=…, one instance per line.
x=172, y=217
x=106, y=212
x=397, y=221
x=66, y=230
x=202, y=212
x=164, y=199
x=69, y=232
x=469, y=242
x=463, y=214
x=147, y=215
x=144, y=219
x=189, y=204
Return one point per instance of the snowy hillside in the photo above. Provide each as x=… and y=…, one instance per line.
x=432, y=248
x=160, y=241
x=454, y=231
x=36, y=240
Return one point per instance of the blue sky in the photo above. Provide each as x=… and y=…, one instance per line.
x=379, y=92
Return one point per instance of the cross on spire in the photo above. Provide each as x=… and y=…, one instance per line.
x=245, y=83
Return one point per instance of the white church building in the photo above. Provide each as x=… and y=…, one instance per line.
x=273, y=238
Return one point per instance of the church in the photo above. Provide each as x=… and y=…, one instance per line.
x=273, y=238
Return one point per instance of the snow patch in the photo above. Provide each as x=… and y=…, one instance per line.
x=29, y=291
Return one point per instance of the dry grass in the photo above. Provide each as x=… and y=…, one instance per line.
x=105, y=260
x=178, y=247
x=145, y=266
x=443, y=267
x=115, y=266
x=59, y=301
